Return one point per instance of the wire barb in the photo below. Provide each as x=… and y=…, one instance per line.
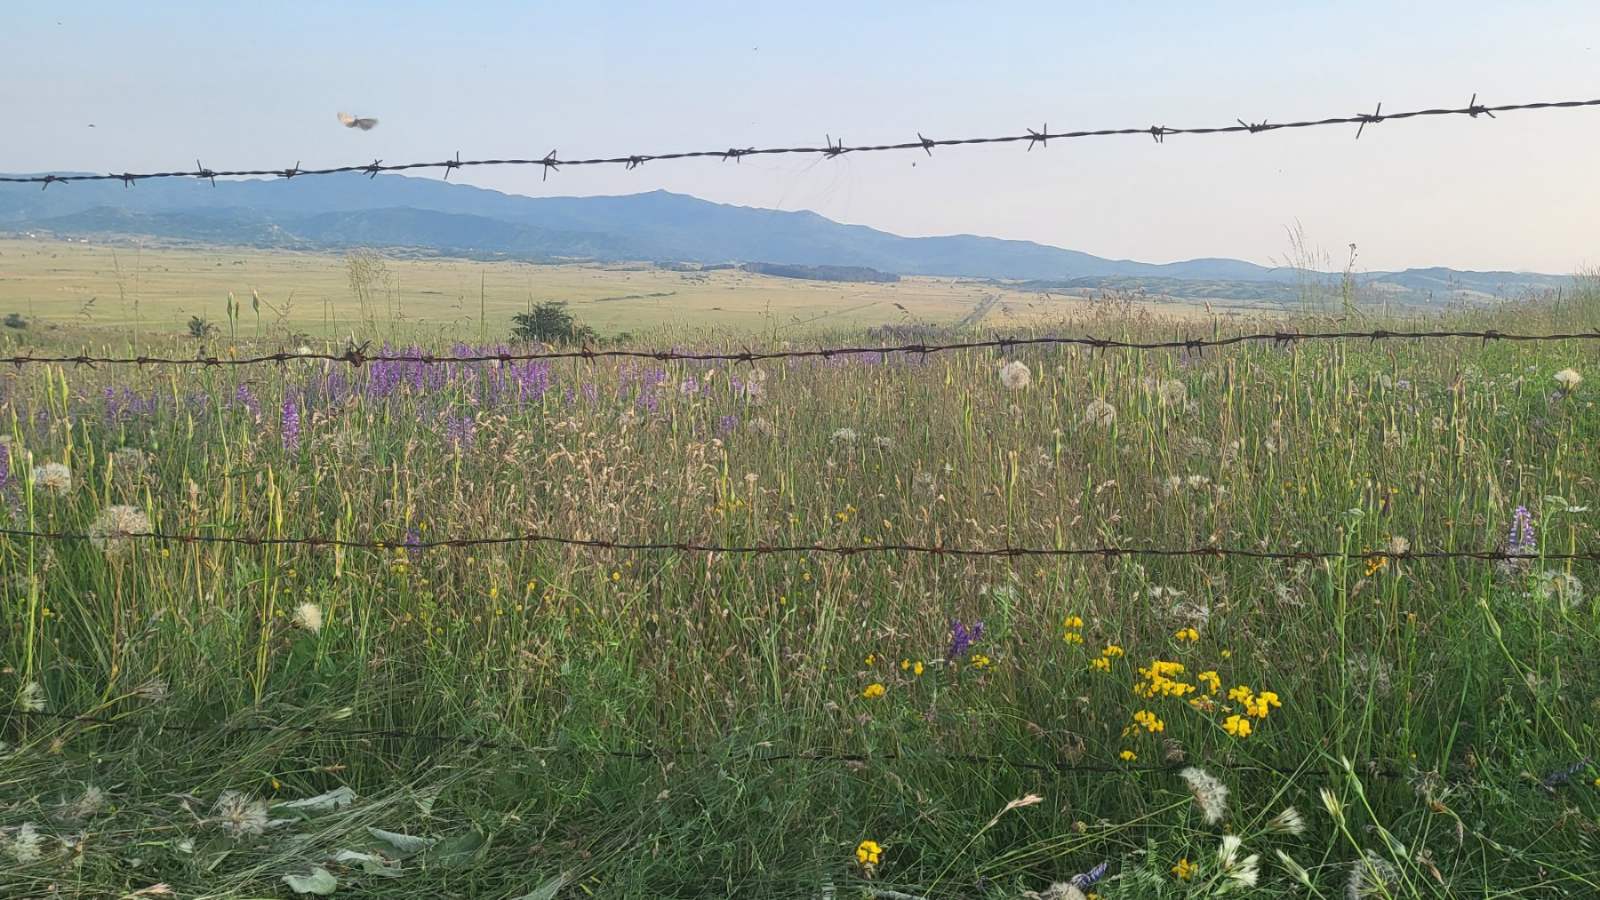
x=1040, y=137
x=1375, y=118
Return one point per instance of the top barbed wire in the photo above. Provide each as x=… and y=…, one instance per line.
x=831, y=148
x=358, y=355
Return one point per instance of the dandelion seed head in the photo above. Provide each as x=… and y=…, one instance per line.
x=112, y=531
x=1210, y=794
x=1568, y=379
x=1172, y=393
x=239, y=814
x=1371, y=876
x=27, y=844
x=1099, y=414
x=309, y=617
x=52, y=478
x=1015, y=375
x=1290, y=821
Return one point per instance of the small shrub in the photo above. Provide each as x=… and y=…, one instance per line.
x=549, y=322
x=15, y=320
x=201, y=327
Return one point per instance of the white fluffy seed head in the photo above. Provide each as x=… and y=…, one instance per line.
x=1015, y=375
x=309, y=617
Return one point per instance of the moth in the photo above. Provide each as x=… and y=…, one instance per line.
x=350, y=121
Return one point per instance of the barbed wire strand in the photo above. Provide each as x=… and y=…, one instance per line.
x=831, y=149
x=820, y=549
x=644, y=753
x=359, y=356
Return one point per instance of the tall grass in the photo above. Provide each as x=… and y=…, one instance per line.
x=1436, y=702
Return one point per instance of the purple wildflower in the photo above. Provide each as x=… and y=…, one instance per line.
x=1521, y=539
x=1087, y=880
x=290, y=428
x=243, y=397
x=727, y=424
x=413, y=542
x=460, y=431
x=962, y=638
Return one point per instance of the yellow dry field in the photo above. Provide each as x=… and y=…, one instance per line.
x=153, y=289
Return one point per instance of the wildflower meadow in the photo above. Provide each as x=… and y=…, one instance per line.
x=538, y=721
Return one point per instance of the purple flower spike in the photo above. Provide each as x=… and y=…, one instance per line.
x=291, y=425
x=1521, y=538
x=962, y=638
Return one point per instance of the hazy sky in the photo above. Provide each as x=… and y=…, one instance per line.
x=247, y=85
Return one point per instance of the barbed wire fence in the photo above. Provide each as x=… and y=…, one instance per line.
x=761, y=753
x=831, y=148
x=843, y=550
x=358, y=356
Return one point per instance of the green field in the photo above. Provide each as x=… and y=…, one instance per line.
x=529, y=720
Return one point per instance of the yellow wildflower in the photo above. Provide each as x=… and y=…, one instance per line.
x=1128, y=756
x=1073, y=622
x=1100, y=663
x=872, y=659
x=1112, y=651
x=1072, y=637
x=868, y=852
x=1210, y=680
x=1151, y=722
x=1187, y=634
x=1238, y=726
x=1184, y=870
x=917, y=670
x=875, y=690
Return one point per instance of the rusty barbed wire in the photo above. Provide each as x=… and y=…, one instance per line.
x=832, y=148
x=358, y=356
x=846, y=550
x=756, y=754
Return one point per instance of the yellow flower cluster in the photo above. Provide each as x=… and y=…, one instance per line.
x=1159, y=681
x=873, y=691
x=1149, y=721
x=868, y=852
x=1210, y=680
x=1256, y=705
x=979, y=661
x=915, y=668
x=1128, y=756
x=1187, y=634
x=1102, y=663
x=1238, y=726
x=1184, y=870
x=1074, y=630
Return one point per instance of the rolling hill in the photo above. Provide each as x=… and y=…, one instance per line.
x=334, y=212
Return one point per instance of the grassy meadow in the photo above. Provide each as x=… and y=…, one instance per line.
x=285, y=721
x=146, y=290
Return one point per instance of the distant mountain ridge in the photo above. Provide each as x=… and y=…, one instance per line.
x=332, y=212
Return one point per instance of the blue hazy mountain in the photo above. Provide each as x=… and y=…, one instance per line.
x=433, y=215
